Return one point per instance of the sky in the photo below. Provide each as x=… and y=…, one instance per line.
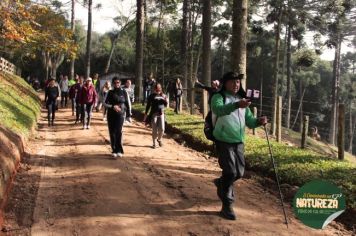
x=103, y=20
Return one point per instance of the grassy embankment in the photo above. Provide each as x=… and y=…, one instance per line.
x=295, y=166
x=19, y=104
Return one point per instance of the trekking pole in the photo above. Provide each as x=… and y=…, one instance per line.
x=275, y=171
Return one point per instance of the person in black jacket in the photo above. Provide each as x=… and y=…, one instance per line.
x=118, y=103
x=156, y=103
x=51, y=95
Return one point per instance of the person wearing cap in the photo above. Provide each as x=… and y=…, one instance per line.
x=118, y=103
x=88, y=98
x=231, y=114
x=52, y=93
x=215, y=87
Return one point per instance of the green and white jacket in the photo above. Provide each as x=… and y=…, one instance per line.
x=229, y=120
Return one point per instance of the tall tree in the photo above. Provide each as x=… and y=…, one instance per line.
x=239, y=37
x=89, y=32
x=72, y=22
x=140, y=26
x=206, y=32
x=184, y=46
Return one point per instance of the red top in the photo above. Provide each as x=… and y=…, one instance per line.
x=88, y=95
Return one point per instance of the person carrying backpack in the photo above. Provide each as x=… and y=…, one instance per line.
x=52, y=93
x=118, y=103
x=231, y=113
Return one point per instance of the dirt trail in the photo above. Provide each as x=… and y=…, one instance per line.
x=165, y=191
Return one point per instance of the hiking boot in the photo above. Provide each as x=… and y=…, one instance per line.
x=227, y=212
x=160, y=143
x=218, y=188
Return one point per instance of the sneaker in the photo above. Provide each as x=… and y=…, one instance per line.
x=160, y=143
x=119, y=154
x=104, y=119
x=88, y=126
x=84, y=127
x=227, y=212
x=114, y=155
x=154, y=146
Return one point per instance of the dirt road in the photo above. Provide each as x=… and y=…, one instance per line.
x=69, y=185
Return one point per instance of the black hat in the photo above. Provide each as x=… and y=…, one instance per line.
x=231, y=76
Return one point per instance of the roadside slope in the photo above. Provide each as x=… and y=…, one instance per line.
x=19, y=109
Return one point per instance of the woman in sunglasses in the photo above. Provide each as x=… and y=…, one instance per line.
x=117, y=102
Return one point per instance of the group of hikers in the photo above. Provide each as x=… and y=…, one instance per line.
x=229, y=110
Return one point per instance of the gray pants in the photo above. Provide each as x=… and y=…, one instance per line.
x=158, y=126
x=232, y=163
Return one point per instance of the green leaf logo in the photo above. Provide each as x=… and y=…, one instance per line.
x=318, y=202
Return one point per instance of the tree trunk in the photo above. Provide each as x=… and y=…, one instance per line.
x=140, y=25
x=301, y=96
x=276, y=72
x=206, y=33
x=72, y=61
x=352, y=126
x=184, y=48
x=108, y=63
x=239, y=38
x=289, y=72
x=88, y=49
x=335, y=90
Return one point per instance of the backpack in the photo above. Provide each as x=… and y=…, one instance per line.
x=208, y=123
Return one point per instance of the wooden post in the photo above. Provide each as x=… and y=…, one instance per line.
x=254, y=115
x=192, y=95
x=305, y=131
x=168, y=100
x=279, y=119
x=181, y=104
x=341, y=132
x=205, y=103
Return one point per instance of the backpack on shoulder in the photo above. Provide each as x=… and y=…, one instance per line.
x=208, y=123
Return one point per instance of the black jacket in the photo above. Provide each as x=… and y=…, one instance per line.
x=51, y=94
x=118, y=97
x=157, y=103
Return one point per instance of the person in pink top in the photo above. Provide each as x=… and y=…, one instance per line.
x=88, y=98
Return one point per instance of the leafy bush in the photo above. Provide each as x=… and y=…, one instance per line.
x=295, y=166
x=19, y=104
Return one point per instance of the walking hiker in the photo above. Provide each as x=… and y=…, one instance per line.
x=231, y=114
x=64, y=85
x=156, y=103
x=76, y=90
x=130, y=91
x=73, y=93
x=178, y=92
x=147, y=87
x=211, y=90
x=117, y=103
x=88, y=98
x=52, y=93
x=102, y=96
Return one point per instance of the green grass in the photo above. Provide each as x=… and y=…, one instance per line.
x=19, y=104
x=295, y=166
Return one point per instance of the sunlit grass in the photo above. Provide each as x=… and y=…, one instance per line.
x=19, y=104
